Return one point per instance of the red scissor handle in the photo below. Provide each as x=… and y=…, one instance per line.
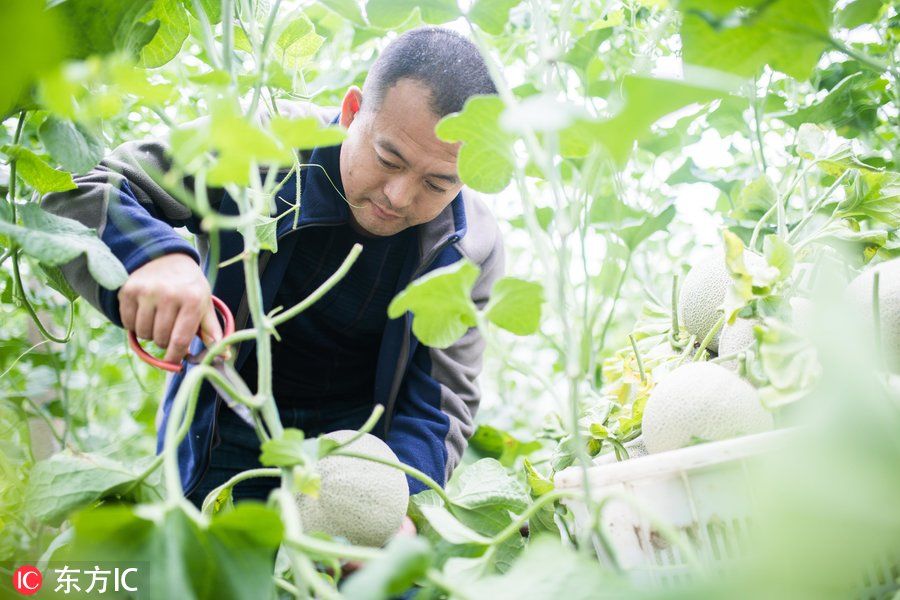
x=227, y=329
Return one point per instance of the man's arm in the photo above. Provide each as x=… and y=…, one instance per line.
x=435, y=412
x=166, y=297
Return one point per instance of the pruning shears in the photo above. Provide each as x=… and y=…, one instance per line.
x=218, y=363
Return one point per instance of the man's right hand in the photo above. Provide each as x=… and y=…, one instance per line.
x=168, y=300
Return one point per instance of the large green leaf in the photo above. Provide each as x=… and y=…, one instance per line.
x=231, y=557
x=37, y=173
x=646, y=100
x=836, y=107
x=875, y=195
x=349, y=9
x=173, y=30
x=69, y=481
x=491, y=15
x=859, y=12
x=740, y=36
x=441, y=304
x=486, y=159
x=55, y=241
x=104, y=26
x=485, y=484
x=404, y=561
x=71, y=144
x=388, y=14
x=548, y=569
x=33, y=42
x=515, y=305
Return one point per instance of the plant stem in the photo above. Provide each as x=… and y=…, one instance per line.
x=242, y=476
x=516, y=524
x=816, y=205
x=366, y=427
x=709, y=338
x=411, y=471
x=637, y=356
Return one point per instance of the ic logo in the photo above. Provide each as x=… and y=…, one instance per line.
x=27, y=580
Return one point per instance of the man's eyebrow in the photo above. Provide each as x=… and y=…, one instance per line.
x=451, y=179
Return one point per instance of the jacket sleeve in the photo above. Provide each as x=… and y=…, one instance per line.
x=435, y=412
x=131, y=213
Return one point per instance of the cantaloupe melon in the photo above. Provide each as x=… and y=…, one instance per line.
x=736, y=337
x=359, y=500
x=703, y=292
x=860, y=294
x=701, y=401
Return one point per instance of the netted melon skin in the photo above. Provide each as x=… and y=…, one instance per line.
x=736, y=337
x=704, y=401
x=359, y=500
x=702, y=295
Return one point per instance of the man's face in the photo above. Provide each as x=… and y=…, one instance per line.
x=396, y=172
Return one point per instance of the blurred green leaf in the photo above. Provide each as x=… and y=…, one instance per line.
x=441, y=304
x=104, y=26
x=491, y=15
x=297, y=43
x=490, y=442
x=388, y=14
x=306, y=133
x=515, y=305
x=486, y=159
x=859, y=12
x=285, y=451
x=405, y=561
x=634, y=235
x=740, y=36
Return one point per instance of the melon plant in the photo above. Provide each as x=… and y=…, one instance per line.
x=701, y=402
x=360, y=500
x=701, y=297
x=860, y=292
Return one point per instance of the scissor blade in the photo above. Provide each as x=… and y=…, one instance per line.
x=228, y=372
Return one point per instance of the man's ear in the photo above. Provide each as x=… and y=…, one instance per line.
x=350, y=105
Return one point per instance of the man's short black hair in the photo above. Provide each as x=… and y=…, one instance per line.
x=447, y=63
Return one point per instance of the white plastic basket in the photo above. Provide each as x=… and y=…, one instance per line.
x=704, y=492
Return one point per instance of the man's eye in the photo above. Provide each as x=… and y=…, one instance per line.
x=435, y=188
x=386, y=164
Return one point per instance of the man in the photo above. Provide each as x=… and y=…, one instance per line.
x=397, y=192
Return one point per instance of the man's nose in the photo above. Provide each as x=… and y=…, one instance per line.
x=400, y=191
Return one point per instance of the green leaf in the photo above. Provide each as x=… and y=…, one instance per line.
x=779, y=254
x=491, y=15
x=55, y=279
x=515, y=305
x=212, y=8
x=543, y=214
x=837, y=107
x=548, y=569
x=441, y=304
x=450, y=528
x=34, y=41
x=541, y=113
x=634, y=235
x=55, y=241
x=104, y=26
x=491, y=442
x=646, y=100
x=71, y=144
x=859, y=12
x=285, y=451
x=486, y=159
x=234, y=554
x=306, y=133
x=740, y=36
x=405, y=560
x=586, y=47
x=173, y=30
x=388, y=14
x=69, y=481
x=267, y=233
x=37, y=173
x=297, y=43
x=348, y=9
x=875, y=195
x=537, y=483
x=754, y=199
x=485, y=484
